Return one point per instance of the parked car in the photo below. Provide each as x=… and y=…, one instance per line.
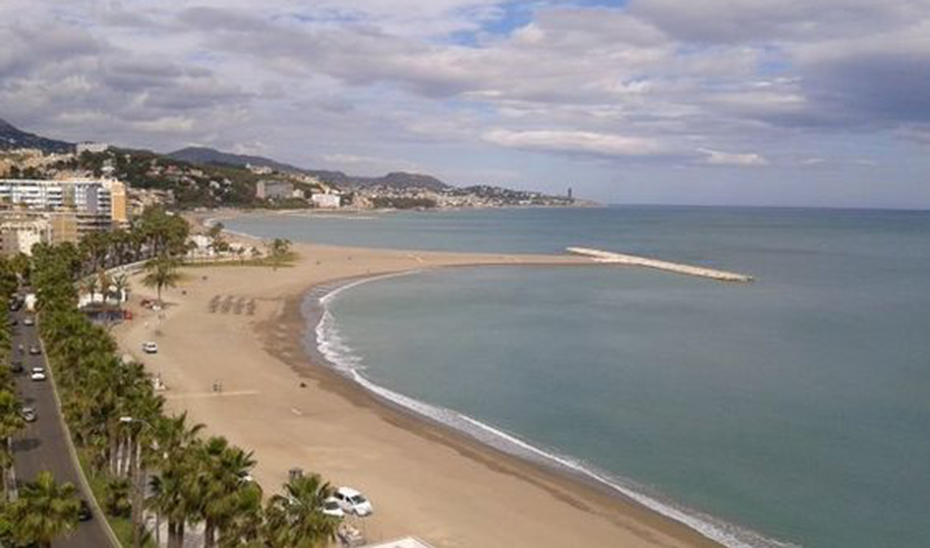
x=332, y=508
x=38, y=374
x=84, y=513
x=353, y=502
x=16, y=366
x=150, y=347
x=35, y=350
x=29, y=414
x=29, y=321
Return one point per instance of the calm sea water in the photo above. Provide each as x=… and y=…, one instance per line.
x=797, y=407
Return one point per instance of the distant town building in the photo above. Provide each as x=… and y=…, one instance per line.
x=93, y=148
x=273, y=190
x=326, y=200
x=259, y=170
x=140, y=199
x=569, y=193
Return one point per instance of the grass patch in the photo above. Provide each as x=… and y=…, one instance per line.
x=289, y=260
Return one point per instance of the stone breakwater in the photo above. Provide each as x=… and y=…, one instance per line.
x=609, y=257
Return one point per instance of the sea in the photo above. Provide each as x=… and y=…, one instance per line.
x=792, y=411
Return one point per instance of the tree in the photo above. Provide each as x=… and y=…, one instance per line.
x=245, y=526
x=89, y=286
x=223, y=474
x=296, y=519
x=11, y=422
x=45, y=510
x=161, y=272
x=164, y=233
x=279, y=252
x=217, y=242
x=121, y=286
x=172, y=495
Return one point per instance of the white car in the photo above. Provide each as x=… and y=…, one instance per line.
x=150, y=347
x=29, y=321
x=38, y=374
x=332, y=508
x=353, y=502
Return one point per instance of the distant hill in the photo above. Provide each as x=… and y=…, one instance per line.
x=12, y=137
x=402, y=179
x=398, y=180
x=204, y=155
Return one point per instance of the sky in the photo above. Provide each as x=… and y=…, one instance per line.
x=725, y=102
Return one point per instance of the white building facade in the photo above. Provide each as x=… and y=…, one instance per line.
x=326, y=200
x=18, y=234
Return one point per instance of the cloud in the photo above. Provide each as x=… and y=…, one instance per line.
x=574, y=142
x=752, y=21
x=337, y=81
x=733, y=159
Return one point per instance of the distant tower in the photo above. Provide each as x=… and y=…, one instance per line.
x=569, y=193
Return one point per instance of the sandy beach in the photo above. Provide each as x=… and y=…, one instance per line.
x=423, y=479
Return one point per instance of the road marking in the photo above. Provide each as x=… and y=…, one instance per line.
x=211, y=394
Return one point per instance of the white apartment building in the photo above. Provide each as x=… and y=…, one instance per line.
x=83, y=195
x=326, y=200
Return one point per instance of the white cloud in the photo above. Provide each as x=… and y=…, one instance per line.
x=585, y=142
x=736, y=159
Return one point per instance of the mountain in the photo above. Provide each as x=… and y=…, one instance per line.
x=397, y=180
x=13, y=138
x=402, y=179
x=204, y=155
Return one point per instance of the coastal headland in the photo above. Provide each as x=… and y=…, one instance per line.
x=243, y=327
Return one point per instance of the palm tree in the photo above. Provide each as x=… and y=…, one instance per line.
x=224, y=470
x=247, y=517
x=160, y=273
x=279, y=251
x=11, y=422
x=45, y=510
x=90, y=286
x=171, y=497
x=121, y=285
x=172, y=488
x=217, y=242
x=296, y=519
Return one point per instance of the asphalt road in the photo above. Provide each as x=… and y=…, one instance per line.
x=43, y=445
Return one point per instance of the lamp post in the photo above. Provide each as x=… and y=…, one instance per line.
x=137, y=480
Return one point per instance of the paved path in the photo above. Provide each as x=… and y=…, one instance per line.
x=43, y=445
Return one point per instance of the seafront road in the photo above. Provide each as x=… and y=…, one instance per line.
x=44, y=444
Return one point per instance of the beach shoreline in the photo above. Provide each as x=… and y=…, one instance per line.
x=436, y=431
x=555, y=508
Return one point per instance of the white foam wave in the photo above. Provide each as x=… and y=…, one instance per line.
x=342, y=358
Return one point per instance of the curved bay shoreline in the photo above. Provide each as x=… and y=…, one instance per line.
x=412, y=466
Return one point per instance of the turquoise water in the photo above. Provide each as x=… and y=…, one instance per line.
x=797, y=407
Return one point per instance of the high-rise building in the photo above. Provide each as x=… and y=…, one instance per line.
x=273, y=190
x=96, y=205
